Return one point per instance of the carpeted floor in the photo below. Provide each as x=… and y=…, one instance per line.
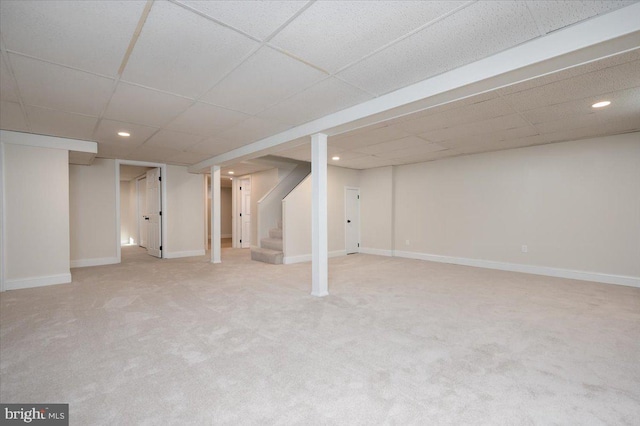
x=398, y=341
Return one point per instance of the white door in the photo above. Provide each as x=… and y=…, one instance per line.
x=142, y=211
x=154, y=213
x=352, y=220
x=245, y=213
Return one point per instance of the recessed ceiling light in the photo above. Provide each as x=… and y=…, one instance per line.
x=601, y=104
x=231, y=172
x=336, y=158
x=124, y=134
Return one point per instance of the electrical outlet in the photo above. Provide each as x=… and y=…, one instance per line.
x=525, y=249
x=407, y=242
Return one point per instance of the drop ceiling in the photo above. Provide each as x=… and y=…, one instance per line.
x=193, y=79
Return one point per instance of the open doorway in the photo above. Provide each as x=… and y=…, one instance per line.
x=140, y=200
x=226, y=213
x=133, y=211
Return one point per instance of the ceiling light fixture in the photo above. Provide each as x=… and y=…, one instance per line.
x=601, y=104
x=231, y=172
x=336, y=158
x=124, y=134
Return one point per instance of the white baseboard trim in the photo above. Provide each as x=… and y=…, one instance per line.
x=38, y=281
x=527, y=269
x=375, y=251
x=177, y=254
x=288, y=260
x=81, y=263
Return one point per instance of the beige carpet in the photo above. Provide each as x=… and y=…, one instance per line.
x=399, y=341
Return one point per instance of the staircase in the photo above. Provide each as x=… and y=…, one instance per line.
x=270, y=250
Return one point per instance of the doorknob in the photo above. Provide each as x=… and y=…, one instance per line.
x=348, y=221
x=146, y=217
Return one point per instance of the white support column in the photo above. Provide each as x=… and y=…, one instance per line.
x=215, y=215
x=319, y=239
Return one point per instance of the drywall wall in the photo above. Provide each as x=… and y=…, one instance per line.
x=574, y=205
x=297, y=215
x=261, y=183
x=376, y=210
x=92, y=200
x=126, y=226
x=296, y=223
x=36, y=214
x=185, y=214
x=225, y=212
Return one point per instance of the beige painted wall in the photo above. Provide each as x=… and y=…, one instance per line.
x=376, y=210
x=126, y=226
x=296, y=221
x=576, y=205
x=185, y=212
x=36, y=191
x=297, y=213
x=92, y=198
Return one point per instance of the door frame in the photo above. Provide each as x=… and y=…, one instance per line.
x=346, y=191
x=163, y=194
x=236, y=205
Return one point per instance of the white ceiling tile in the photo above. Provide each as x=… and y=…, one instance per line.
x=214, y=145
x=492, y=143
x=190, y=158
x=506, y=136
x=257, y=18
x=610, y=128
x=475, y=32
x=114, y=150
x=58, y=123
x=553, y=15
x=332, y=34
x=265, y=79
x=609, y=62
x=181, y=52
x=8, y=89
x=108, y=132
x=623, y=102
x=493, y=125
x=12, y=117
x=253, y=129
x=624, y=76
x=90, y=35
x=367, y=162
x=328, y=96
x=404, y=143
x=365, y=137
x=411, y=151
x=429, y=156
x=302, y=153
x=136, y=104
x=52, y=86
x=206, y=120
x=154, y=154
x=344, y=155
x=173, y=140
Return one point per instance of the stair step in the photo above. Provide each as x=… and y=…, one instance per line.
x=267, y=256
x=275, y=233
x=271, y=243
